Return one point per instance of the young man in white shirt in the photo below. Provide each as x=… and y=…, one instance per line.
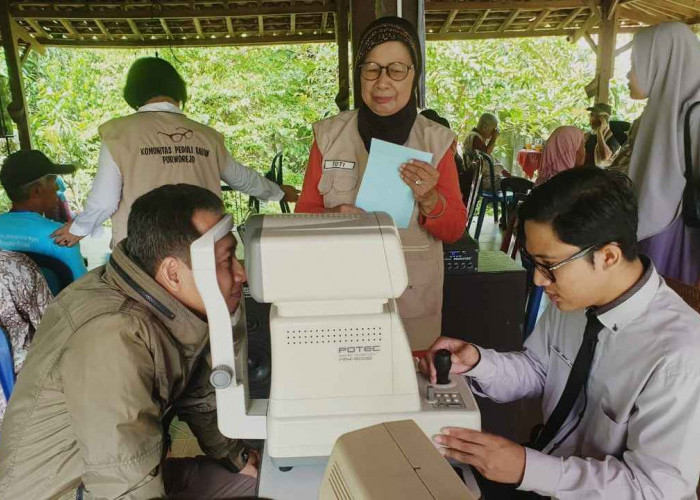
x=158, y=145
x=614, y=359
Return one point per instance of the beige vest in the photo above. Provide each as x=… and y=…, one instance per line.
x=154, y=148
x=340, y=145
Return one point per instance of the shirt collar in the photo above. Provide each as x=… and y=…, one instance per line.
x=161, y=106
x=619, y=313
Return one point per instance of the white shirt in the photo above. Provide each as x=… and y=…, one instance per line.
x=105, y=194
x=639, y=436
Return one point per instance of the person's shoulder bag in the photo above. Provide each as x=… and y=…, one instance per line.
x=691, y=192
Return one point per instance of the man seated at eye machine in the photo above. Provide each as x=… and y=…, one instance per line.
x=117, y=355
x=340, y=356
x=614, y=358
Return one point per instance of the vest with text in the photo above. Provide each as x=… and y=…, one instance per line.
x=155, y=148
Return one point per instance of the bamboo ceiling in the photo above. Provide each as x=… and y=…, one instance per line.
x=139, y=23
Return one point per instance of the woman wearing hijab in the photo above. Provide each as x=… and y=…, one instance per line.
x=666, y=71
x=388, y=65
x=564, y=149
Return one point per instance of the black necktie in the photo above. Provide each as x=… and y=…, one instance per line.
x=575, y=383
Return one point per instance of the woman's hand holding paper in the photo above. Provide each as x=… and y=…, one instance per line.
x=422, y=178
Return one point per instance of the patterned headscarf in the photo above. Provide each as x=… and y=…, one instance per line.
x=391, y=29
x=397, y=127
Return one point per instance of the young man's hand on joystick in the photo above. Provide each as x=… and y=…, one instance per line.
x=464, y=357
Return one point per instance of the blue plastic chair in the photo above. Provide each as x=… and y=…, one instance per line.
x=7, y=365
x=491, y=196
x=534, y=298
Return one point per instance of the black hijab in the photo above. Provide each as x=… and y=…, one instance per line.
x=397, y=127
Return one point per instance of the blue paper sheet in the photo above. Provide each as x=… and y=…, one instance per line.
x=382, y=189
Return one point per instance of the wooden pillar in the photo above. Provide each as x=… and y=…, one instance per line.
x=18, y=107
x=366, y=11
x=342, y=99
x=607, y=39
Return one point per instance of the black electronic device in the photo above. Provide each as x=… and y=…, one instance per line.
x=259, y=352
x=461, y=257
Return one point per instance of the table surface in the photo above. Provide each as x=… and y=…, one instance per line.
x=495, y=261
x=304, y=481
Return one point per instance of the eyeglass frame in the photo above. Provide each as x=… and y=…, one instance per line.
x=385, y=68
x=187, y=134
x=548, y=271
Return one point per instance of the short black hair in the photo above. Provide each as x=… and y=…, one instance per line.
x=150, y=77
x=160, y=223
x=586, y=206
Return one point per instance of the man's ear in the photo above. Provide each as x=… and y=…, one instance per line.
x=168, y=274
x=610, y=255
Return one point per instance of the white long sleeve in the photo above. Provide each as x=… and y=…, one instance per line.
x=250, y=182
x=104, y=196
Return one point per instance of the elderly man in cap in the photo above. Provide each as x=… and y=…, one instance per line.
x=159, y=145
x=29, y=179
x=601, y=143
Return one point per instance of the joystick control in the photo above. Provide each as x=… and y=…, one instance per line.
x=443, y=363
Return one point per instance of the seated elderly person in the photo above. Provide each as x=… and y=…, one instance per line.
x=29, y=179
x=483, y=138
x=601, y=143
x=614, y=359
x=115, y=357
x=25, y=296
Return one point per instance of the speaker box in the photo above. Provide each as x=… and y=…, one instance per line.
x=257, y=317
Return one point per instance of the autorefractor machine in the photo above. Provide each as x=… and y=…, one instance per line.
x=340, y=356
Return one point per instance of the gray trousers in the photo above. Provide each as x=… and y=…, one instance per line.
x=203, y=477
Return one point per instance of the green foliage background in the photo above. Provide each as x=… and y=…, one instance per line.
x=264, y=99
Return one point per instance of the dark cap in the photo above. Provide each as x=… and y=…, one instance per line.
x=24, y=167
x=601, y=107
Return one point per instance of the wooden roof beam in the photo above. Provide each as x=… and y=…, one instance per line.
x=165, y=26
x=624, y=48
x=69, y=27
x=134, y=29
x=432, y=5
x=585, y=27
x=479, y=21
x=180, y=13
x=566, y=22
x=508, y=34
x=509, y=21
x=540, y=19
x=690, y=4
x=590, y=42
x=198, y=27
x=25, y=55
x=653, y=11
x=101, y=26
x=133, y=43
x=448, y=22
x=37, y=28
x=24, y=35
x=670, y=9
x=638, y=15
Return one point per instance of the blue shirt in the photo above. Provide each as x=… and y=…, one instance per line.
x=30, y=232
